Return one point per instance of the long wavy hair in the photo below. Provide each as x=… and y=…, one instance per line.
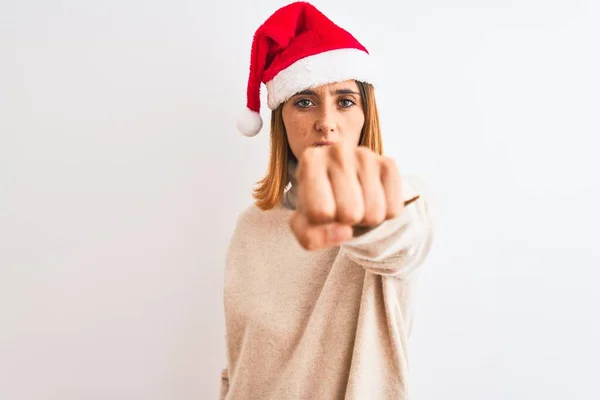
x=270, y=189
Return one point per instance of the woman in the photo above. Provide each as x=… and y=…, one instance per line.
x=320, y=271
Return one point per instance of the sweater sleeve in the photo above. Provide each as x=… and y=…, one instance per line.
x=398, y=246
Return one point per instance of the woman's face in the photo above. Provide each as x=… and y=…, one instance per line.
x=330, y=113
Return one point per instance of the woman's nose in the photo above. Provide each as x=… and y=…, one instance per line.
x=325, y=122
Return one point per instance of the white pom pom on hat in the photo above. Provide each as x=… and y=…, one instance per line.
x=249, y=123
x=298, y=48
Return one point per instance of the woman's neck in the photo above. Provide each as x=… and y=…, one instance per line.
x=290, y=196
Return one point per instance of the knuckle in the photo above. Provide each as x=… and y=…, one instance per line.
x=376, y=211
x=375, y=216
x=302, y=236
x=362, y=156
x=309, y=242
x=350, y=215
x=305, y=242
x=308, y=155
x=389, y=165
x=395, y=211
x=372, y=221
x=337, y=154
x=320, y=213
x=362, y=151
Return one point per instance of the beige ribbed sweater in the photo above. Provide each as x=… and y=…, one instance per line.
x=328, y=324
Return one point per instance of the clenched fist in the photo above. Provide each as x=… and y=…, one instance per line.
x=340, y=187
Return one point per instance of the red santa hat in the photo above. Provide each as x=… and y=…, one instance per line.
x=295, y=49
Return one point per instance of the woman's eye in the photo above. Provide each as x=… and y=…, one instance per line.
x=304, y=103
x=346, y=103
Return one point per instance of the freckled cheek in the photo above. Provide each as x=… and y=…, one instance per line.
x=299, y=126
x=354, y=123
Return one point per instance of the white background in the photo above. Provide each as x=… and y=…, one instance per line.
x=122, y=174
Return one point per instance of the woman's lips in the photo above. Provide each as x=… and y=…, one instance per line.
x=323, y=143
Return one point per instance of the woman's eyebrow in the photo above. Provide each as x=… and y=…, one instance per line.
x=309, y=92
x=345, y=91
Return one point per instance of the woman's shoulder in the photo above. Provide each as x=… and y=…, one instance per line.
x=254, y=226
x=252, y=217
